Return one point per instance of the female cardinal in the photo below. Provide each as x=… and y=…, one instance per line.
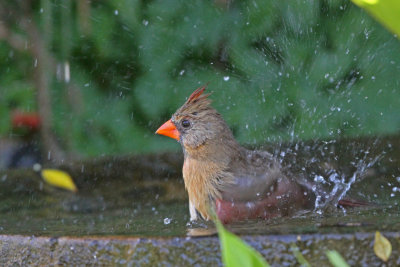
x=224, y=177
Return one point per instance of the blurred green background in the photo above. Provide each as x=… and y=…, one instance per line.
x=112, y=71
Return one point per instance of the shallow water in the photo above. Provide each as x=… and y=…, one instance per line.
x=141, y=204
x=172, y=220
x=137, y=220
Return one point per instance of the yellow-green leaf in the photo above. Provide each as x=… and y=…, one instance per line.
x=59, y=178
x=235, y=252
x=336, y=259
x=300, y=258
x=382, y=247
x=386, y=12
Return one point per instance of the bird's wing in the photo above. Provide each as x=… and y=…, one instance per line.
x=255, y=174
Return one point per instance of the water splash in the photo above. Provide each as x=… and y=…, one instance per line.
x=329, y=168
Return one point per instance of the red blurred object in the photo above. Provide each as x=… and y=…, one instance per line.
x=25, y=119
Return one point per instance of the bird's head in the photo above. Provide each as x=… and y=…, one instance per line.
x=196, y=122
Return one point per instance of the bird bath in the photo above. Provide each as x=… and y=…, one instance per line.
x=133, y=210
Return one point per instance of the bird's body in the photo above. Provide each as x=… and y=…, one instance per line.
x=223, y=177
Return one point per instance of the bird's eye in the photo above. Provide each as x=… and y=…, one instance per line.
x=185, y=123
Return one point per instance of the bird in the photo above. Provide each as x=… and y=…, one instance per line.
x=23, y=151
x=222, y=177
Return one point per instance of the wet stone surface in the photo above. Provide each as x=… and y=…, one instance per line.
x=185, y=251
x=132, y=210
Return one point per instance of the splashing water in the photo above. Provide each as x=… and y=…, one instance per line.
x=329, y=168
x=340, y=186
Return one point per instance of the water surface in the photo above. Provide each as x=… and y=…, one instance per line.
x=151, y=202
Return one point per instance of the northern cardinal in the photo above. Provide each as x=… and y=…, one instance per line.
x=224, y=177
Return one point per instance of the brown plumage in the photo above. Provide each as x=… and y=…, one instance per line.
x=223, y=176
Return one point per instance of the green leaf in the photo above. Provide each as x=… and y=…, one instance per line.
x=385, y=11
x=382, y=247
x=235, y=252
x=300, y=258
x=336, y=259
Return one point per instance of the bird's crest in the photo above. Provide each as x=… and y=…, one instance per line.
x=196, y=102
x=197, y=95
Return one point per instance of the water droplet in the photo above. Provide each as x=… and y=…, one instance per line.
x=319, y=179
x=36, y=167
x=67, y=74
x=263, y=96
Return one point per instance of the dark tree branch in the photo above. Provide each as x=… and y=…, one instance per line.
x=43, y=72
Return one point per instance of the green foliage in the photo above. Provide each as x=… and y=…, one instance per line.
x=278, y=70
x=336, y=259
x=300, y=258
x=235, y=252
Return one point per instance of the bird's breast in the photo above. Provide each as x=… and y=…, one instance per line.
x=201, y=181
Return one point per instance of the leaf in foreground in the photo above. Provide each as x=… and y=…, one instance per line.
x=59, y=178
x=235, y=252
x=382, y=247
x=336, y=259
x=385, y=11
x=299, y=257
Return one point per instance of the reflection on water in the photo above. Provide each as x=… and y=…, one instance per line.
x=354, y=220
x=137, y=205
x=137, y=220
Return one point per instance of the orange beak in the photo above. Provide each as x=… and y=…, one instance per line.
x=168, y=129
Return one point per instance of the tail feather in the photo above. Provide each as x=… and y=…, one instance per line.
x=348, y=203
